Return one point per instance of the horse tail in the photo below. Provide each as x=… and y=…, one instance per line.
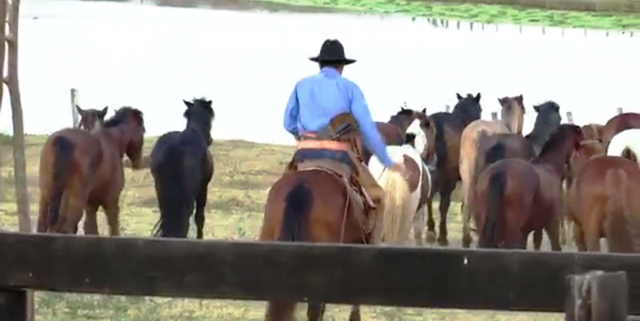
x=491, y=232
x=617, y=206
x=494, y=154
x=172, y=193
x=63, y=149
x=441, y=144
x=398, y=208
x=297, y=208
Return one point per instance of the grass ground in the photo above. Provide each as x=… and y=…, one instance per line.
x=244, y=172
x=489, y=14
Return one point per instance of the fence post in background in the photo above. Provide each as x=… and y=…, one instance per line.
x=619, y=110
x=494, y=116
x=13, y=305
x=447, y=108
x=74, y=112
x=569, y=117
x=597, y=296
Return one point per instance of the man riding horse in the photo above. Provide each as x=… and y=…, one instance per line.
x=328, y=115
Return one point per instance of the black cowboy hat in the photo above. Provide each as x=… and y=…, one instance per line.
x=332, y=51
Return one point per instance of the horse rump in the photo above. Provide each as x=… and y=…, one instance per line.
x=298, y=204
x=172, y=193
x=63, y=149
x=491, y=234
x=618, y=214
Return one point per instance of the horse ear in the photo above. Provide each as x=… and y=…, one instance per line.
x=424, y=111
x=80, y=110
x=104, y=110
x=459, y=97
x=477, y=98
x=519, y=98
x=188, y=103
x=500, y=100
x=536, y=108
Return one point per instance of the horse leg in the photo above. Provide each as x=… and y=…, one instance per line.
x=578, y=237
x=355, y=313
x=315, y=311
x=445, y=201
x=43, y=216
x=74, y=204
x=90, y=221
x=201, y=201
x=280, y=310
x=418, y=225
x=537, y=239
x=112, y=209
x=431, y=224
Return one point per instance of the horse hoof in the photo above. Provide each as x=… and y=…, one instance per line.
x=431, y=237
x=354, y=317
x=443, y=242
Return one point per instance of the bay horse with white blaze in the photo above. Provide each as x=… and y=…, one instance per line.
x=514, y=197
x=320, y=198
x=604, y=202
x=82, y=170
x=91, y=118
x=448, y=128
x=182, y=167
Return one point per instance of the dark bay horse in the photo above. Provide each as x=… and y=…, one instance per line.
x=604, y=202
x=448, y=130
x=619, y=123
x=91, y=118
x=182, y=167
x=393, y=131
x=511, y=146
x=82, y=170
x=514, y=197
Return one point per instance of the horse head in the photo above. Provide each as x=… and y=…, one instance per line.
x=132, y=121
x=422, y=135
x=513, y=113
x=548, y=115
x=91, y=119
x=468, y=108
x=200, y=116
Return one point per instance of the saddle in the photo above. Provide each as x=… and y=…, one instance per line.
x=335, y=149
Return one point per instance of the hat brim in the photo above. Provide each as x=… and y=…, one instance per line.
x=339, y=61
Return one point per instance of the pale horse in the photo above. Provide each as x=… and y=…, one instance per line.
x=512, y=121
x=402, y=196
x=626, y=144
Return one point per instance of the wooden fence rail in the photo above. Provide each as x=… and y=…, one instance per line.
x=392, y=276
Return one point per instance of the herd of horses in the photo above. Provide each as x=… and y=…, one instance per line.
x=555, y=177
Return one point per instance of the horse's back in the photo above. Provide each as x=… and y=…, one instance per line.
x=86, y=150
x=619, y=123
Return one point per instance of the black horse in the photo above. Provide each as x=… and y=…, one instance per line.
x=182, y=167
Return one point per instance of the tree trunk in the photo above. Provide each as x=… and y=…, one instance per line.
x=3, y=13
x=19, y=159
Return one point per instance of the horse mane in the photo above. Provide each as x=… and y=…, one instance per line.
x=558, y=137
x=403, y=112
x=121, y=116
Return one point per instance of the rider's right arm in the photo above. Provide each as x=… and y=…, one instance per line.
x=291, y=113
x=371, y=137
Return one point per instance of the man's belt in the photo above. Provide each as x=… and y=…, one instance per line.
x=313, y=141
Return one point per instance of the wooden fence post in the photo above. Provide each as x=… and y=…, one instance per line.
x=597, y=296
x=569, y=117
x=74, y=103
x=13, y=305
x=619, y=110
x=494, y=116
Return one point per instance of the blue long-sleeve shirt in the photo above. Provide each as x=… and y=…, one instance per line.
x=318, y=99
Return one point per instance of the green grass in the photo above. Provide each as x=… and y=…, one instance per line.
x=489, y=14
x=244, y=172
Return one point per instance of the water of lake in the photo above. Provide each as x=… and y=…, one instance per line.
x=153, y=57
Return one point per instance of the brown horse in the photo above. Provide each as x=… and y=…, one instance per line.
x=512, y=121
x=587, y=150
x=511, y=146
x=91, y=118
x=603, y=202
x=322, y=197
x=619, y=123
x=393, y=131
x=592, y=131
x=448, y=130
x=514, y=197
x=82, y=170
